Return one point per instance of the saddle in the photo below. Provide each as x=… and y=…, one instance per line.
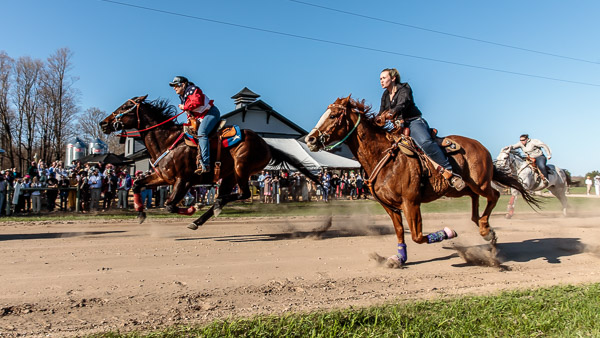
x=536, y=169
x=191, y=131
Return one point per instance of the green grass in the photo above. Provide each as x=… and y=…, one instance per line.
x=335, y=207
x=562, y=311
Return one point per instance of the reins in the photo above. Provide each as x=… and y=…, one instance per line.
x=137, y=113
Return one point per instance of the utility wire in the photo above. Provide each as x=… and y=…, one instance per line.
x=349, y=45
x=445, y=33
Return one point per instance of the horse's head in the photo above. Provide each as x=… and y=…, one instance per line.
x=335, y=124
x=127, y=116
x=506, y=159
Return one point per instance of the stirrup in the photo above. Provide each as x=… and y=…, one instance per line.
x=202, y=169
x=457, y=182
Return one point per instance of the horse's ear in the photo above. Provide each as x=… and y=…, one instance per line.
x=141, y=98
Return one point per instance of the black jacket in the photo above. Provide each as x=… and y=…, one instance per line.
x=402, y=104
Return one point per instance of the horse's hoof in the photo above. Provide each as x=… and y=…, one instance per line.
x=508, y=216
x=394, y=262
x=217, y=211
x=491, y=237
x=193, y=226
x=141, y=216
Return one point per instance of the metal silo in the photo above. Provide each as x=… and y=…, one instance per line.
x=98, y=147
x=76, y=149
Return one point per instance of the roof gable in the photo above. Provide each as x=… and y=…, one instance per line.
x=242, y=116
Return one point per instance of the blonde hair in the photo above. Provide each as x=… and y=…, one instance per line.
x=393, y=73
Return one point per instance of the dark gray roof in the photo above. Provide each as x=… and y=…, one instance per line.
x=245, y=93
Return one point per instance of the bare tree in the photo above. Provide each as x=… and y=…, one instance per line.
x=60, y=104
x=26, y=99
x=90, y=129
x=6, y=114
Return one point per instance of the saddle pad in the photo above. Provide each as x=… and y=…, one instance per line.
x=189, y=140
x=231, y=136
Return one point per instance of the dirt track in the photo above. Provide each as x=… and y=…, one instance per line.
x=74, y=278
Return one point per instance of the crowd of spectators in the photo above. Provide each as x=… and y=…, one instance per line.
x=54, y=188
x=49, y=188
x=282, y=186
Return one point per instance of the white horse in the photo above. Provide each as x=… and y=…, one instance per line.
x=519, y=168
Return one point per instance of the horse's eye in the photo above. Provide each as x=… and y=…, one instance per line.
x=331, y=116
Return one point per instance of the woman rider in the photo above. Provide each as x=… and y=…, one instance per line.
x=398, y=99
x=198, y=106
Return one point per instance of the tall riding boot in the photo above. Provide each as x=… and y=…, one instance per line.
x=455, y=180
x=201, y=168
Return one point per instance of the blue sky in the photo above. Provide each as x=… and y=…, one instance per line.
x=121, y=52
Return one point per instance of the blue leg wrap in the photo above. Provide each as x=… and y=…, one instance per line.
x=402, y=252
x=437, y=236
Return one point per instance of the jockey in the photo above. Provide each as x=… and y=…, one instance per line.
x=397, y=99
x=533, y=148
x=199, y=107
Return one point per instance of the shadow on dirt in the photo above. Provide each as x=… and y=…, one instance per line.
x=313, y=234
x=50, y=235
x=549, y=249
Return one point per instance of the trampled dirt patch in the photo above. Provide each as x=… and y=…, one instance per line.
x=75, y=278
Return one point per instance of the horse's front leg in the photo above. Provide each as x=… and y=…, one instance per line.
x=148, y=181
x=399, y=259
x=223, y=198
x=412, y=212
x=180, y=188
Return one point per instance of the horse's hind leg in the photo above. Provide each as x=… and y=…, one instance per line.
x=560, y=193
x=485, y=230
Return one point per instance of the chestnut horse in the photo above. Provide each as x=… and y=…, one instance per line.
x=400, y=183
x=174, y=162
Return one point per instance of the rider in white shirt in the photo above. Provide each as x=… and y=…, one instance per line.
x=533, y=149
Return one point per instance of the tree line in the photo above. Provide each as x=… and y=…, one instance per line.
x=39, y=112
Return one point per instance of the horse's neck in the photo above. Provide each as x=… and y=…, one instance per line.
x=158, y=140
x=368, y=146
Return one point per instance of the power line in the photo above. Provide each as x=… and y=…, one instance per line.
x=445, y=33
x=348, y=45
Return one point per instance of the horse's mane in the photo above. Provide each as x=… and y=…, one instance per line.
x=360, y=105
x=160, y=109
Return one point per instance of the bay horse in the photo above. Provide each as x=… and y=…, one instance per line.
x=400, y=183
x=517, y=167
x=174, y=162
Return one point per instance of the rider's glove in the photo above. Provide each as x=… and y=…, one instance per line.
x=388, y=126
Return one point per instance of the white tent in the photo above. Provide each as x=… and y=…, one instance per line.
x=311, y=160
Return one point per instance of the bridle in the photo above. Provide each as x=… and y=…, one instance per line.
x=117, y=124
x=324, y=136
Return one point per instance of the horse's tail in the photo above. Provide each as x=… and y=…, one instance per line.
x=568, y=176
x=511, y=182
x=279, y=157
